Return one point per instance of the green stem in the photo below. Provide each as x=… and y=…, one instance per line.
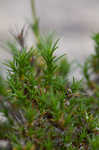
x=36, y=23
x=33, y=10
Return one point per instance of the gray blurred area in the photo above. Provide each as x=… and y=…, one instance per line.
x=73, y=21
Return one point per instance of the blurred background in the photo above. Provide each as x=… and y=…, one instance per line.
x=74, y=22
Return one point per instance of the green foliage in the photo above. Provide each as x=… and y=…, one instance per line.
x=45, y=110
x=91, y=67
x=49, y=112
x=96, y=39
x=2, y=86
x=94, y=142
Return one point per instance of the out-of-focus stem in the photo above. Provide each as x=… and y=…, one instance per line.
x=33, y=10
x=35, y=19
